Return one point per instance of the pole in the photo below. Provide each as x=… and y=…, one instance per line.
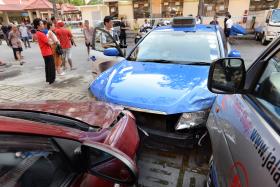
x=54, y=8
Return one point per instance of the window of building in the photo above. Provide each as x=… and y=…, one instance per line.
x=256, y=5
x=141, y=9
x=215, y=7
x=172, y=8
x=114, y=10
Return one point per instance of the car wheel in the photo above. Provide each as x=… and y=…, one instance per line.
x=264, y=41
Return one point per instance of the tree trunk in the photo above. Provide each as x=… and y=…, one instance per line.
x=200, y=8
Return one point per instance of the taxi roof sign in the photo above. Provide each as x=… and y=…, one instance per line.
x=183, y=22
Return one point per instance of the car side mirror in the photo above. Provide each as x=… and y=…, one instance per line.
x=227, y=75
x=109, y=163
x=234, y=54
x=111, y=52
x=267, y=20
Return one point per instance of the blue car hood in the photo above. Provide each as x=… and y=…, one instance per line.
x=165, y=88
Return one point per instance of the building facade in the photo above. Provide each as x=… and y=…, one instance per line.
x=142, y=9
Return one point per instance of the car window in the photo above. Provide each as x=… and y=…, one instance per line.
x=27, y=161
x=178, y=46
x=268, y=88
x=103, y=40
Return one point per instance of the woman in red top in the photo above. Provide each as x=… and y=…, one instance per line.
x=46, y=50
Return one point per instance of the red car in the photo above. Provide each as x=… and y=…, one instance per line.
x=67, y=144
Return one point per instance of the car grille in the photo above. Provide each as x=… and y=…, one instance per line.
x=164, y=123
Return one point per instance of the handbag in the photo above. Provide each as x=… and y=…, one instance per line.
x=58, y=49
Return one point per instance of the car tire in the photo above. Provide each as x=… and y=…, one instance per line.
x=264, y=41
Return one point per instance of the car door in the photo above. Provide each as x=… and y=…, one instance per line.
x=245, y=129
x=101, y=61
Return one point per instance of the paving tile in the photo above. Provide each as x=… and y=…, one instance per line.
x=192, y=179
x=155, y=175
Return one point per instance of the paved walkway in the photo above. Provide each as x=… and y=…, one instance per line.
x=20, y=94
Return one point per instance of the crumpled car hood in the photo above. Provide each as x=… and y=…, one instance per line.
x=166, y=88
x=93, y=113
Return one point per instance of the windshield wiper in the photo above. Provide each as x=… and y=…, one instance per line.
x=199, y=63
x=156, y=60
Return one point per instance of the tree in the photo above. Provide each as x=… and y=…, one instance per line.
x=95, y=2
x=77, y=2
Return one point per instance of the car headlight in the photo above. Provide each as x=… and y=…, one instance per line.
x=193, y=119
x=271, y=33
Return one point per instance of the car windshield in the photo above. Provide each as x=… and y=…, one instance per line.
x=177, y=46
x=275, y=16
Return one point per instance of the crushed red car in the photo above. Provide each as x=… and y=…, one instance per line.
x=61, y=143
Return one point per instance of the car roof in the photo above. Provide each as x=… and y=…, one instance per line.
x=196, y=28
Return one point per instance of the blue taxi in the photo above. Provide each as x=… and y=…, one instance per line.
x=163, y=80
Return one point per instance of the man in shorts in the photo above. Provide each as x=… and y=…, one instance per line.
x=15, y=41
x=65, y=36
x=88, y=33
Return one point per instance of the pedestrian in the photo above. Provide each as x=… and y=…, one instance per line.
x=54, y=42
x=214, y=21
x=6, y=33
x=198, y=19
x=108, y=26
x=229, y=24
x=46, y=50
x=136, y=26
x=65, y=36
x=225, y=20
x=146, y=24
x=88, y=33
x=123, y=27
x=15, y=42
x=24, y=34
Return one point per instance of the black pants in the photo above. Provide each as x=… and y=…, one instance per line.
x=49, y=69
x=123, y=39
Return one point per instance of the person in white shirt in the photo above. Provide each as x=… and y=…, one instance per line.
x=146, y=24
x=229, y=24
x=24, y=34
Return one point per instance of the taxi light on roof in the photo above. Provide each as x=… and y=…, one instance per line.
x=183, y=22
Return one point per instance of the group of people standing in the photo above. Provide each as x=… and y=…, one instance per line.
x=55, y=43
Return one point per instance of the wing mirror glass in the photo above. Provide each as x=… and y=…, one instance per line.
x=109, y=163
x=227, y=75
x=234, y=54
x=111, y=52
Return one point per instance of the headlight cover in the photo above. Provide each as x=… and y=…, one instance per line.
x=271, y=33
x=193, y=119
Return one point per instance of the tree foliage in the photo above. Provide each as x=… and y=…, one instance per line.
x=95, y=2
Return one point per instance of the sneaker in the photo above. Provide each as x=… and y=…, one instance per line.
x=61, y=74
x=21, y=63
